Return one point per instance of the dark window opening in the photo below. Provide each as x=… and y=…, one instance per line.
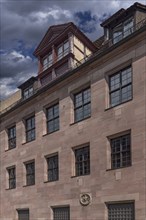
x=30, y=129
x=12, y=177
x=23, y=214
x=28, y=92
x=53, y=169
x=12, y=137
x=61, y=213
x=82, y=161
x=121, y=211
x=82, y=105
x=120, y=86
x=30, y=173
x=53, y=118
x=121, y=151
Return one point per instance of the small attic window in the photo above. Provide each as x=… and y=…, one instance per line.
x=122, y=30
x=48, y=61
x=63, y=49
x=28, y=92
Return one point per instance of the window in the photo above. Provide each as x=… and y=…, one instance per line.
x=121, y=151
x=53, y=118
x=61, y=213
x=53, y=168
x=82, y=105
x=82, y=161
x=12, y=177
x=63, y=50
x=12, y=137
x=23, y=214
x=118, y=211
x=30, y=129
x=123, y=30
x=48, y=61
x=120, y=86
x=30, y=173
x=28, y=92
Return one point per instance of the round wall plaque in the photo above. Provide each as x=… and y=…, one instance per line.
x=85, y=199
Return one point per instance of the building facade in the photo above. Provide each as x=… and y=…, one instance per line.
x=73, y=146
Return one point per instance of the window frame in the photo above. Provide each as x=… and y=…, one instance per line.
x=53, y=169
x=28, y=90
x=120, y=87
x=11, y=178
x=82, y=105
x=120, y=204
x=30, y=130
x=83, y=149
x=123, y=33
x=120, y=138
x=49, y=61
x=62, y=217
x=23, y=210
x=64, y=51
x=13, y=138
x=32, y=173
x=53, y=118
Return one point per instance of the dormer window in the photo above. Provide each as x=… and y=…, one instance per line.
x=28, y=92
x=63, y=49
x=123, y=30
x=48, y=61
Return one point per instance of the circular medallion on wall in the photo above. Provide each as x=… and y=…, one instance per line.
x=85, y=199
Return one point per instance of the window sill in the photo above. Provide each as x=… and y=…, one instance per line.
x=81, y=175
x=53, y=181
x=50, y=133
x=10, y=188
x=118, y=168
x=76, y=122
x=118, y=104
x=28, y=142
x=10, y=149
x=29, y=185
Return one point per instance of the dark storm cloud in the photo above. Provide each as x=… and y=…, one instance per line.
x=86, y=21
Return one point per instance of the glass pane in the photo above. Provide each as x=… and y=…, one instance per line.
x=126, y=76
x=115, y=82
x=79, y=114
x=115, y=98
x=33, y=122
x=60, y=50
x=56, y=124
x=87, y=110
x=50, y=126
x=126, y=93
x=128, y=27
x=78, y=100
x=50, y=113
x=56, y=110
x=87, y=96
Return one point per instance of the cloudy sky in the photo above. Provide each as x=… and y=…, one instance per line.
x=24, y=23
